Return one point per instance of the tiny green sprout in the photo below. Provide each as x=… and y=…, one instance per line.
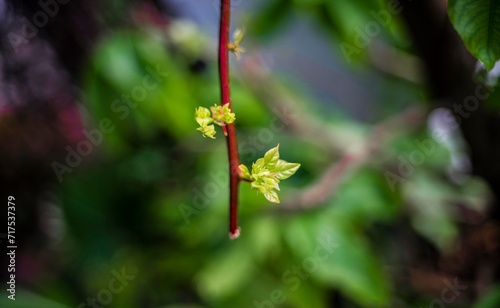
x=267, y=173
x=207, y=131
x=238, y=36
x=220, y=115
x=204, y=119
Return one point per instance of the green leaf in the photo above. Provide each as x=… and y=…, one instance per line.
x=259, y=163
x=271, y=157
x=245, y=173
x=268, y=171
x=238, y=36
x=202, y=116
x=272, y=183
x=478, y=24
x=265, y=184
x=284, y=169
x=207, y=131
x=272, y=196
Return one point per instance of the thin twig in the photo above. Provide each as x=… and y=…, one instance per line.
x=318, y=192
x=315, y=195
x=229, y=130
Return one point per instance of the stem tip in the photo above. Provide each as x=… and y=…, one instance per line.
x=234, y=234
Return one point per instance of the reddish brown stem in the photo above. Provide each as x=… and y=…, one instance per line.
x=232, y=144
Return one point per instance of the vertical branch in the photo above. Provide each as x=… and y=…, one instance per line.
x=229, y=130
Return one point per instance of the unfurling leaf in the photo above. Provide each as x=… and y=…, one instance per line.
x=235, y=47
x=267, y=173
x=207, y=131
x=222, y=115
x=202, y=116
x=258, y=164
x=271, y=158
x=284, y=169
x=204, y=119
x=245, y=174
x=238, y=36
x=272, y=196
